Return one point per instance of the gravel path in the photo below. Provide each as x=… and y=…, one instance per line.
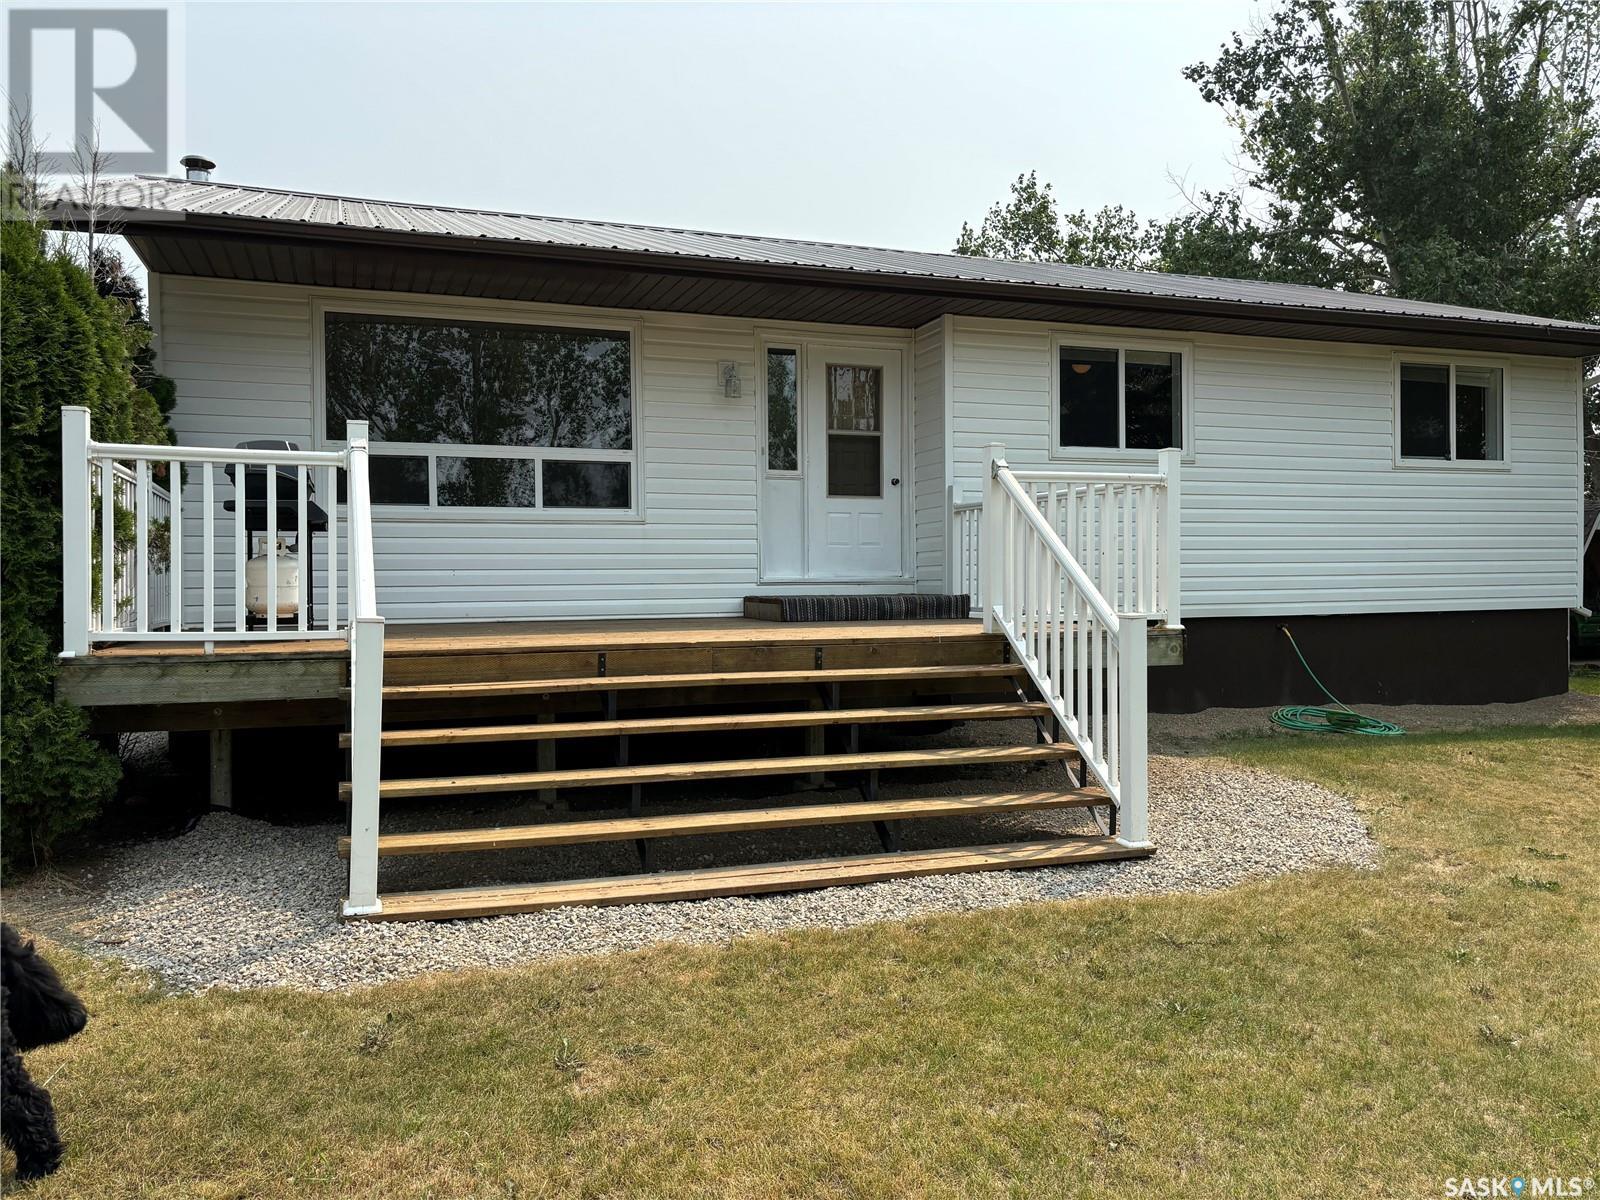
x=237, y=903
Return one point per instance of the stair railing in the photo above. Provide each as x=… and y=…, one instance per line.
x=1088, y=662
x=366, y=686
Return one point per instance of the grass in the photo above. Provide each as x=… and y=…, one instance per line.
x=1333, y=1033
x=1586, y=680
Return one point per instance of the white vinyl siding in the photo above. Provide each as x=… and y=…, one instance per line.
x=242, y=353
x=1293, y=502
x=929, y=447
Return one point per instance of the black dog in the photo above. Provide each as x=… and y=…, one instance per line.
x=38, y=1009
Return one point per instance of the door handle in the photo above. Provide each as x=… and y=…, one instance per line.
x=894, y=483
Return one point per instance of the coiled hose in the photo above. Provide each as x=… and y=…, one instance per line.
x=1305, y=718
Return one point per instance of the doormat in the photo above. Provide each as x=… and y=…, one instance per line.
x=907, y=607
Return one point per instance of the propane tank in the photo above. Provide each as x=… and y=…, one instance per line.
x=257, y=582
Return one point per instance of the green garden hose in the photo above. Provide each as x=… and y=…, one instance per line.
x=1304, y=718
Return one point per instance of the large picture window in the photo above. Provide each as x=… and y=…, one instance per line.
x=477, y=414
x=1451, y=412
x=1111, y=398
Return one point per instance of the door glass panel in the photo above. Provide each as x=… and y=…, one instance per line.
x=855, y=442
x=855, y=465
x=855, y=398
x=783, y=410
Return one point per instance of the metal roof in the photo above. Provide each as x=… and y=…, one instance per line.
x=227, y=206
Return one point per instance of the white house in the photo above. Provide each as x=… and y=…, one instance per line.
x=572, y=420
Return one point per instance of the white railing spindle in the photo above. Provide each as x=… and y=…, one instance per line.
x=271, y=548
x=301, y=546
x=241, y=548
x=175, y=547
x=208, y=553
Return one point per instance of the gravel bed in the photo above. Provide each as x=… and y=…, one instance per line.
x=238, y=903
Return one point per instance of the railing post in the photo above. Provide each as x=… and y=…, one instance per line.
x=76, y=554
x=952, y=540
x=990, y=549
x=366, y=734
x=1171, y=538
x=366, y=686
x=1133, y=738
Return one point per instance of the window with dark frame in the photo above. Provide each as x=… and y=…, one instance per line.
x=546, y=411
x=1451, y=412
x=1119, y=399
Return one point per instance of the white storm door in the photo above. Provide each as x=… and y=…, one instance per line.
x=854, y=458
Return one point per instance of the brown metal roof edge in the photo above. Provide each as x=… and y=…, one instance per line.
x=1566, y=337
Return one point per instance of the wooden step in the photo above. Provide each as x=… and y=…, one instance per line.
x=715, y=723
x=571, y=833
x=684, y=772
x=611, y=683
x=744, y=881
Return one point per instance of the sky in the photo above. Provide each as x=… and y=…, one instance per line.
x=879, y=125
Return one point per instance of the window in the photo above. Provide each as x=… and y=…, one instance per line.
x=1119, y=399
x=475, y=414
x=783, y=410
x=1451, y=413
x=855, y=431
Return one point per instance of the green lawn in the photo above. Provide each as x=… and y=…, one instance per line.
x=1586, y=680
x=1331, y=1034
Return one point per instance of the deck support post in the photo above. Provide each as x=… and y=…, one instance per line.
x=544, y=753
x=990, y=544
x=1133, y=735
x=222, y=768
x=75, y=531
x=366, y=748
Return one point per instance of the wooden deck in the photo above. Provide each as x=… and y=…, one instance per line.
x=178, y=686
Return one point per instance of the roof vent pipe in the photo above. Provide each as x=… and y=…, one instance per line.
x=197, y=168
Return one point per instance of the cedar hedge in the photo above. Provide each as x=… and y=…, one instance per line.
x=61, y=342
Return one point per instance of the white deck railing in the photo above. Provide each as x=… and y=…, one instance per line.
x=195, y=588
x=209, y=539
x=1122, y=529
x=125, y=563
x=962, y=540
x=1061, y=615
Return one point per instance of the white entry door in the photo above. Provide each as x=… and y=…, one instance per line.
x=854, y=462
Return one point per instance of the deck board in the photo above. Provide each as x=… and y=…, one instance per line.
x=476, y=637
x=737, y=768
x=736, y=820
x=744, y=881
